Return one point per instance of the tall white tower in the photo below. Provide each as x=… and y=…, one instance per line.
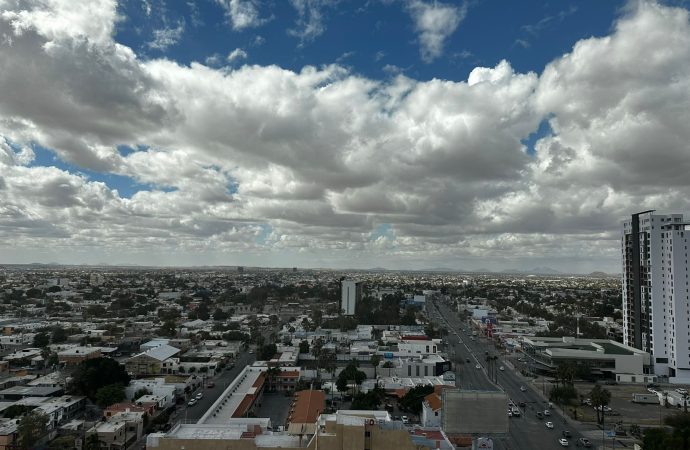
x=656, y=294
x=351, y=293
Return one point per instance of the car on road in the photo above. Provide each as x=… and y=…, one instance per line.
x=564, y=442
x=584, y=442
x=405, y=419
x=549, y=425
x=522, y=359
x=682, y=391
x=540, y=414
x=523, y=389
x=510, y=412
x=567, y=434
x=199, y=396
x=210, y=384
x=478, y=366
x=501, y=368
x=547, y=412
x=467, y=359
x=192, y=402
x=522, y=404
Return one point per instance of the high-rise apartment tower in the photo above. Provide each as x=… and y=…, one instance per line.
x=351, y=293
x=656, y=293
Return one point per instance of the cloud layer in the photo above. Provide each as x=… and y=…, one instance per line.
x=325, y=167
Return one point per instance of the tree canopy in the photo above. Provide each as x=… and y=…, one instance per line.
x=93, y=374
x=412, y=401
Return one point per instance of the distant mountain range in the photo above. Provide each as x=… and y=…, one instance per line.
x=535, y=271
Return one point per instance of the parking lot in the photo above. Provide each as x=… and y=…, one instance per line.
x=624, y=410
x=276, y=406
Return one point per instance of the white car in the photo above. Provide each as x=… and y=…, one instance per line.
x=564, y=442
x=682, y=391
x=510, y=413
x=199, y=396
x=549, y=425
x=523, y=389
x=501, y=368
x=405, y=419
x=477, y=366
x=192, y=402
x=547, y=412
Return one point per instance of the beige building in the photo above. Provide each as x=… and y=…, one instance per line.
x=120, y=430
x=153, y=361
x=75, y=355
x=344, y=430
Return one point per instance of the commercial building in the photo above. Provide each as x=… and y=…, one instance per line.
x=77, y=354
x=656, y=294
x=343, y=430
x=351, y=293
x=602, y=358
x=154, y=361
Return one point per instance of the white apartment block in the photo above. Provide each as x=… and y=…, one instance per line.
x=351, y=293
x=656, y=293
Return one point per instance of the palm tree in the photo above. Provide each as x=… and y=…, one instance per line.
x=375, y=360
x=317, y=351
x=600, y=397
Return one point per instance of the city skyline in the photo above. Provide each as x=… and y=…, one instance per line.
x=403, y=134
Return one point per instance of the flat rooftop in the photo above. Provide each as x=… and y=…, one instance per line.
x=226, y=405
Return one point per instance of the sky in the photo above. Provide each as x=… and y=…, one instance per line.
x=406, y=134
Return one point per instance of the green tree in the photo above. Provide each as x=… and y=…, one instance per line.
x=91, y=442
x=93, y=374
x=41, y=340
x=349, y=373
x=412, y=401
x=16, y=410
x=656, y=439
x=168, y=328
x=266, y=352
x=110, y=394
x=32, y=427
x=304, y=347
x=375, y=360
x=140, y=393
x=219, y=315
x=600, y=397
x=681, y=430
x=59, y=335
x=369, y=401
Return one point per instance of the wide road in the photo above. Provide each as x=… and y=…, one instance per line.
x=190, y=414
x=526, y=432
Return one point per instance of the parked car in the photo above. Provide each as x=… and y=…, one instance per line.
x=199, y=396
x=549, y=425
x=584, y=442
x=522, y=404
x=547, y=412
x=501, y=368
x=405, y=419
x=192, y=402
x=210, y=384
x=682, y=391
x=540, y=414
x=563, y=442
x=477, y=366
x=610, y=382
x=510, y=412
x=523, y=389
x=467, y=359
x=567, y=434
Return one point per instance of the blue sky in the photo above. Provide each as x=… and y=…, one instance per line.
x=369, y=35
x=335, y=133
